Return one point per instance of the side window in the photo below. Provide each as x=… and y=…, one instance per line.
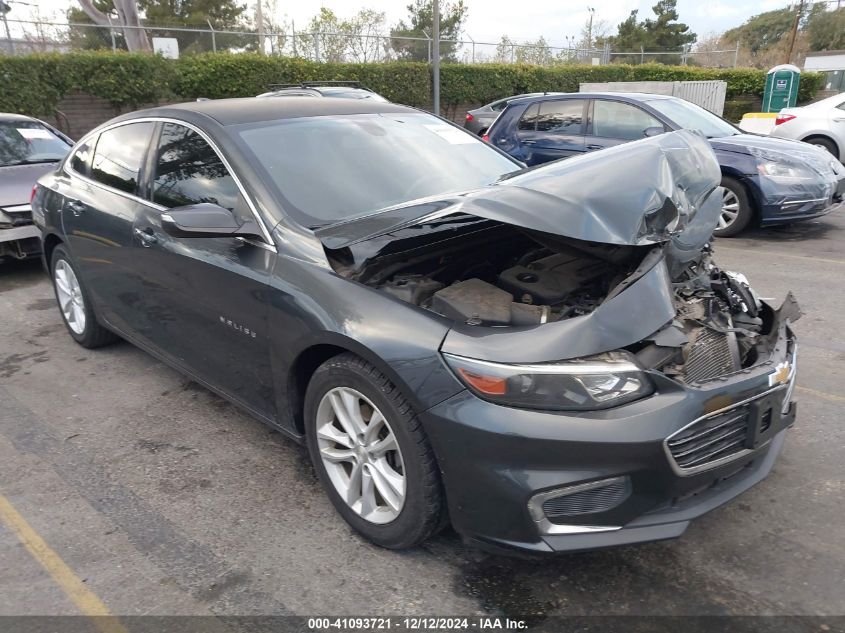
x=80, y=162
x=561, y=116
x=841, y=106
x=119, y=155
x=529, y=118
x=613, y=119
x=498, y=106
x=189, y=171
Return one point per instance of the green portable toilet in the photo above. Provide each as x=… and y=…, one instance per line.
x=781, y=88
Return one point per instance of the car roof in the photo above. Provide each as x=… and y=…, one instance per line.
x=252, y=110
x=10, y=116
x=629, y=96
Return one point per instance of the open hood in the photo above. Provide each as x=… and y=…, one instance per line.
x=647, y=192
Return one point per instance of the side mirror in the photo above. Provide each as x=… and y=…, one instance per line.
x=206, y=220
x=653, y=131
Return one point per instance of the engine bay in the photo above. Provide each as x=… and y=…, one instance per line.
x=486, y=274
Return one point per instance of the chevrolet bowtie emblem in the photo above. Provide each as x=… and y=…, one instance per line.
x=780, y=376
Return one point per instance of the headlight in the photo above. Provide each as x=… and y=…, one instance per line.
x=784, y=171
x=597, y=382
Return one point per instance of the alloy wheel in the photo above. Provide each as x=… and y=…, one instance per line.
x=730, y=208
x=361, y=455
x=69, y=293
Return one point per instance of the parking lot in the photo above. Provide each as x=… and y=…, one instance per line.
x=164, y=499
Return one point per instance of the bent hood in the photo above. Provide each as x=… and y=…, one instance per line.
x=646, y=192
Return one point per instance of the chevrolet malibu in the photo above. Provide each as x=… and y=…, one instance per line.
x=549, y=359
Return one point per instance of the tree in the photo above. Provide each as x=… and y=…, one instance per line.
x=420, y=21
x=127, y=19
x=664, y=33
x=338, y=39
x=223, y=14
x=763, y=39
x=826, y=29
x=505, y=51
x=762, y=31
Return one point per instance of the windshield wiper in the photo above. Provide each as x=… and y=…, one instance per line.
x=31, y=161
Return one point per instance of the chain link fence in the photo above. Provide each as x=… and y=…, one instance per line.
x=29, y=36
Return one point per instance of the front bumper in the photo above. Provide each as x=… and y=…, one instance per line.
x=781, y=203
x=496, y=459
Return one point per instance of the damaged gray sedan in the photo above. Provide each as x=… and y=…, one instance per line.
x=548, y=358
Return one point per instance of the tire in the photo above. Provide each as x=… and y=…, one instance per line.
x=390, y=519
x=735, y=217
x=78, y=316
x=824, y=143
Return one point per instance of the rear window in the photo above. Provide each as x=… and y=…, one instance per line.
x=29, y=142
x=561, y=116
x=529, y=118
x=119, y=155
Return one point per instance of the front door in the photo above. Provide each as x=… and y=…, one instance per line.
x=204, y=298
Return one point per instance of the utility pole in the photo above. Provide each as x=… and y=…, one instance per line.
x=590, y=28
x=4, y=9
x=259, y=17
x=435, y=59
x=794, y=33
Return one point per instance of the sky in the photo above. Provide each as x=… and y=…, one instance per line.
x=488, y=20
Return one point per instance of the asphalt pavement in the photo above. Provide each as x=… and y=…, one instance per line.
x=139, y=492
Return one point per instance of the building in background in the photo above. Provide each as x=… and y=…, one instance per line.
x=832, y=64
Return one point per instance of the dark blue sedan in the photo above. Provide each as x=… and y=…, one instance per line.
x=765, y=180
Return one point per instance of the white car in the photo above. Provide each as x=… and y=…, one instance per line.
x=821, y=124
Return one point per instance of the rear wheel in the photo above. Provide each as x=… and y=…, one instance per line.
x=824, y=143
x=736, y=208
x=371, y=454
x=75, y=304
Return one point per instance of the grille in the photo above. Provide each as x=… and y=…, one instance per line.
x=710, y=439
x=712, y=354
x=601, y=498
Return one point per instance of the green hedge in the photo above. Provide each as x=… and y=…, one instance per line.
x=35, y=84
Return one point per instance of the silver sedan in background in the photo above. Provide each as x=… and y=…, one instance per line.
x=821, y=124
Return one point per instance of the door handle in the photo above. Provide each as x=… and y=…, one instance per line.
x=592, y=147
x=76, y=207
x=147, y=236
x=839, y=120
x=529, y=142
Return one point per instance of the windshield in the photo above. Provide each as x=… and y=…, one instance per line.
x=689, y=116
x=328, y=169
x=28, y=142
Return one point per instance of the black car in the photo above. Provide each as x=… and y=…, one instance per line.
x=766, y=180
x=29, y=148
x=547, y=358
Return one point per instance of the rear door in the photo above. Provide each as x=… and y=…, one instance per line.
x=100, y=201
x=203, y=300
x=550, y=130
x=615, y=122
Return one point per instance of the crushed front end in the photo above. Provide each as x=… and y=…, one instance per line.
x=618, y=382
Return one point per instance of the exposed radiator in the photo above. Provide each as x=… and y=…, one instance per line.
x=711, y=354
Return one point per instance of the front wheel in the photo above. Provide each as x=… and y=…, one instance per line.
x=371, y=454
x=736, y=208
x=75, y=303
